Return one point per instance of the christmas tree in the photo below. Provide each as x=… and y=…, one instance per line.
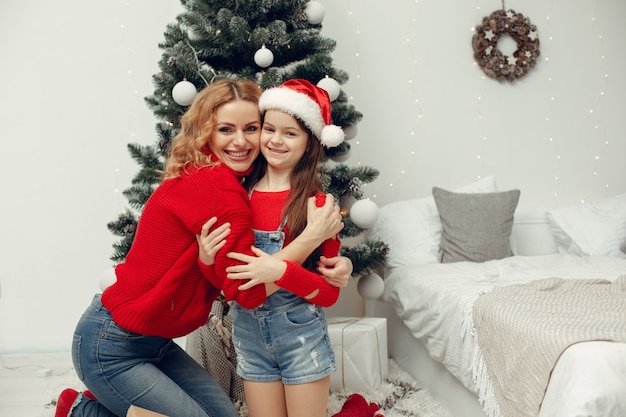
x=269, y=41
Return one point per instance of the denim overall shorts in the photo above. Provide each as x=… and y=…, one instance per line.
x=284, y=339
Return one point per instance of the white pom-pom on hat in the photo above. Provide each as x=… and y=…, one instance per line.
x=331, y=136
x=307, y=102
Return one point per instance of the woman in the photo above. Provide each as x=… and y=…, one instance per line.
x=123, y=349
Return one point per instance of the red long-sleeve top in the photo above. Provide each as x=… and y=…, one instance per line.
x=267, y=215
x=161, y=289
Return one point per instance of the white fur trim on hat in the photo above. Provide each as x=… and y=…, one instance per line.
x=304, y=108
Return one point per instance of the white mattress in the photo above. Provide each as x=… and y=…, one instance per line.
x=435, y=300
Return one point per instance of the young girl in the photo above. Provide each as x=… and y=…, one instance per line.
x=283, y=350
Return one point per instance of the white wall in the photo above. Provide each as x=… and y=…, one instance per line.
x=75, y=75
x=440, y=121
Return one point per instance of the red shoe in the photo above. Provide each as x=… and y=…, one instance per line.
x=65, y=401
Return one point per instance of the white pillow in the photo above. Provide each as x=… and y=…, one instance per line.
x=412, y=228
x=591, y=229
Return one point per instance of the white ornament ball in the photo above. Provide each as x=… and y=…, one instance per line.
x=371, y=286
x=107, y=278
x=314, y=12
x=184, y=92
x=331, y=86
x=263, y=57
x=350, y=132
x=364, y=213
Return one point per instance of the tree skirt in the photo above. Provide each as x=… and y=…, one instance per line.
x=399, y=396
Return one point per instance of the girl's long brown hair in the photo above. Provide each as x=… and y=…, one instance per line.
x=198, y=123
x=305, y=182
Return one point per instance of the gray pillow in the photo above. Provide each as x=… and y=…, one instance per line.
x=623, y=247
x=475, y=227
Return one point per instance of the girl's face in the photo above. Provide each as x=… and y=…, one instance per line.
x=283, y=140
x=235, y=140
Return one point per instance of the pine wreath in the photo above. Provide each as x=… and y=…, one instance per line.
x=485, y=43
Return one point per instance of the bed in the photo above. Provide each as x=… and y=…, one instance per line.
x=451, y=325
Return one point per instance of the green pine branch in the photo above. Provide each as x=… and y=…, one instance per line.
x=366, y=257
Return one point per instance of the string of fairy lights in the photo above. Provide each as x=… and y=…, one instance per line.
x=554, y=138
x=413, y=82
x=602, y=139
x=358, y=83
x=551, y=133
x=557, y=138
x=132, y=99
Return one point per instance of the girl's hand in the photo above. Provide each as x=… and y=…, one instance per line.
x=336, y=271
x=259, y=269
x=209, y=243
x=323, y=222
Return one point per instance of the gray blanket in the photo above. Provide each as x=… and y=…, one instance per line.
x=523, y=329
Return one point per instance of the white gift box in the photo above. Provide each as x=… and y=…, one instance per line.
x=360, y=346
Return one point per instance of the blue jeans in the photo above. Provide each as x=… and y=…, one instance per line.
x=122, y=368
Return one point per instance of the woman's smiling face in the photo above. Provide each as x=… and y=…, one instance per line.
x=235, y=140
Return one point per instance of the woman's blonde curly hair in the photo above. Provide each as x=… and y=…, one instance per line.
x=198, y=123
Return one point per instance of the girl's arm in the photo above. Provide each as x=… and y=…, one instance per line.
x=323, y=221
x=294, y=278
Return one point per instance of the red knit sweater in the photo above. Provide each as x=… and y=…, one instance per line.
x=161, y=289
x=267, y=215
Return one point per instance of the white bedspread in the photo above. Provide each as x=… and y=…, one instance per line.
x=434, y=301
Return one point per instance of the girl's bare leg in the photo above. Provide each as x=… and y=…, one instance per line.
x=308, y=400
x=265, y=399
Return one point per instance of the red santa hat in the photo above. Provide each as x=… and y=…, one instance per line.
x=309, y=103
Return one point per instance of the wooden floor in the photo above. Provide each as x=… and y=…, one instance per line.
x=29, y=383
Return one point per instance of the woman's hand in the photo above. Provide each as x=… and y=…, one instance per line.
x=259, y=269
x=323, y=222
x=210, y=243
x=336, y=271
